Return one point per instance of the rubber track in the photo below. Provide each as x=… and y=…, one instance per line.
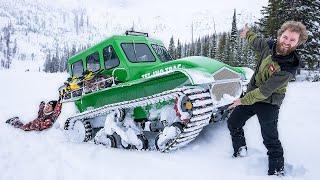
x=189, y=132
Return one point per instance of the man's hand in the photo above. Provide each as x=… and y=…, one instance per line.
x=244, y=31
x=235, y=103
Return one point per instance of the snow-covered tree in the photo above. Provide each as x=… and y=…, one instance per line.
x=307, y=12
x=197, y=51
x=220, y=55
x=179, y=50
x=205, y=46
x=270, y=22
x=234, y=31
x=172, y=49
x=234, y=36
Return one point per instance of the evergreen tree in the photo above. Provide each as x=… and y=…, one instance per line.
x=55, y=64
x=32, y=56
x=192, y=48
x=15, y=46
x=62, y=63
x=212, y=46
x=245, y=54
x=232, y=49
x=184, y=50
x=76, y=22
x=7, y=51
x=205, y=46
x=307, y=12
x=2, y=62
x=240, y=53
x=1, y=44
x=270, y=22
x=198, y=47
x=81, y=22
x=221, y=47
x=229, y=55
x=234, y=31
x=172, y=48
x=47, y=63
x=87, y=22
x=179, y=50
x=73, y=50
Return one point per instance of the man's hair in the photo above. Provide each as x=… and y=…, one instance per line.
x=295, y=26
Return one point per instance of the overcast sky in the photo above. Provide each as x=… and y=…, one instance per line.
x=174, y=16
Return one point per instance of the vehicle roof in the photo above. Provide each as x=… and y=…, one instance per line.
x=114, y=39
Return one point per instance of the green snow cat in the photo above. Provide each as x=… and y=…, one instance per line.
x=132, y=94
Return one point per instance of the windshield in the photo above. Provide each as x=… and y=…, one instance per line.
x=137, y=52
x=161, y=52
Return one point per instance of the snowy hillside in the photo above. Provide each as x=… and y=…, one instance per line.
x=36, y=29
x=48, y=155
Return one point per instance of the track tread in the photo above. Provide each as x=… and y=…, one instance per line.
x=200, y=116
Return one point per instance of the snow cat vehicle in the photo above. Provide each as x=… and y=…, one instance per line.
x=131, y=94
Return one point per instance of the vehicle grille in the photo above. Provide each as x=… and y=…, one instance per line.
x=231, y=88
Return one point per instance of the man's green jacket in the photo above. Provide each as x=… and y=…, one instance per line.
x=272, y=74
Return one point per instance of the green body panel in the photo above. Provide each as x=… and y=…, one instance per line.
x=143, y=78
x=194, y=62
x=129, y=91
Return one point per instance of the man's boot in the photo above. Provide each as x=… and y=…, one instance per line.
x=276, y=167
x=241, y=152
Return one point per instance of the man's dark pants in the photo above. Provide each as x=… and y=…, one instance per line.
x=268, y=119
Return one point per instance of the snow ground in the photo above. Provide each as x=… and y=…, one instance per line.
x=48, y=155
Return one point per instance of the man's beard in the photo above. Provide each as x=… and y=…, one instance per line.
x=283, y=49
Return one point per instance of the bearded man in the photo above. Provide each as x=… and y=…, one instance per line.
x=277, y=65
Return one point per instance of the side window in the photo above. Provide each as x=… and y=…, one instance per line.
x=110, y=57
x=93, y=63
x=77, y=68
x=137, y=52
x=161, y=52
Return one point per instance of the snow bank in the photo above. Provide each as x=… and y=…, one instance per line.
x=48, y=155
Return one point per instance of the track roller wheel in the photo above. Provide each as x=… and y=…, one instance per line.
x=108, y=141
x=79, y=131
x=165, y=137
x=125, y=145
x=144, y=143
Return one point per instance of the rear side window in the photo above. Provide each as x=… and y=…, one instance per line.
x=110, y=57
x=93, y=63
x=137, y=52
x=77, y=68
x=161, y=52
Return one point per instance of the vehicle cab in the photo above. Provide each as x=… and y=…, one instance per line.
x=116, y=54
